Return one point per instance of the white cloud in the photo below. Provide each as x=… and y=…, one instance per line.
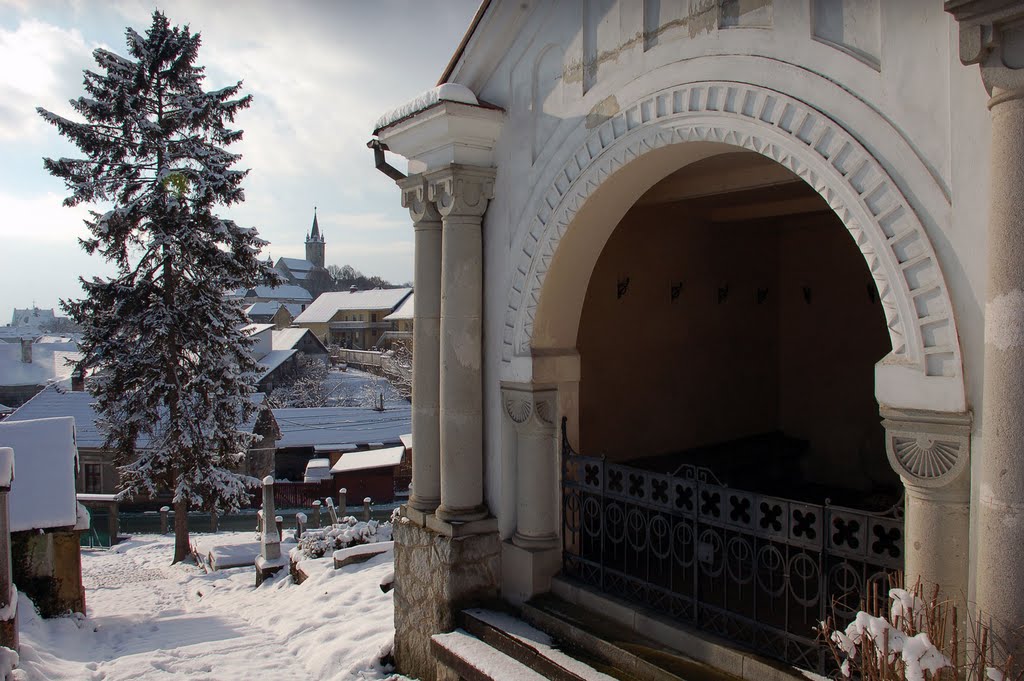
x=40, y=218
x=41, y=63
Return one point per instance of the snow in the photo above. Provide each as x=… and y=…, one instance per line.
x=327, y=305
x=341, y=425
x=356, y=554
x=491, y=662
x=317, y=470
x=373, y=458
x=223, y=551
x=537, y=640
x=43, y=494
x=49, y=364
x=403, y=311
x=148, y=621
x=449, y=92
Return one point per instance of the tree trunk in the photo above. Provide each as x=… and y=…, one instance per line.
x=182, y=549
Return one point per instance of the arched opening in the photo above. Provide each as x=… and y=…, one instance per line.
x=730, y=465
x=731, y=322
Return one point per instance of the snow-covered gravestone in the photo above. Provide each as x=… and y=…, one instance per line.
x=366, y=508
x=331, y=511
x=300, y=524
x=342, y=500
x=316, y=513
x=8, y=595
x=269, y=561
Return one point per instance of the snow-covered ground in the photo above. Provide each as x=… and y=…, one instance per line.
x=355, y=388
x=150, y=621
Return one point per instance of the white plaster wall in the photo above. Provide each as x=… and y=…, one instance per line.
x=920, y=112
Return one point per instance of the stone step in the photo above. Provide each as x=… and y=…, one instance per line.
x=534, y=648
x=474, y=660
x=628, y=653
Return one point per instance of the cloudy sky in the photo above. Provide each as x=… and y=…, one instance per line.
x=320, y=72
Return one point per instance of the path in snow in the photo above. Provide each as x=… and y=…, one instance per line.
x=148, y=621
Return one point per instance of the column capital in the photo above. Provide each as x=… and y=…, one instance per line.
x=461, y=190
x=928, y=449
x=414, y=197
x=530, y=409
x=992, y=35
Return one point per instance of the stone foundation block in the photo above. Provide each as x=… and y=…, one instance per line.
x=436, y=576
x=527, y=572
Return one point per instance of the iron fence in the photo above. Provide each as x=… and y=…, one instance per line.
x=759, y=570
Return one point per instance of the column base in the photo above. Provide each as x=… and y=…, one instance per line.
x=461, y=515
x=461, y=529
x=428, y=505
x=527, y=572
x=414, y=515
x=436, y=576
x=549, y=541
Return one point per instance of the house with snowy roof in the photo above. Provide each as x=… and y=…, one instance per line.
x=277, y=352
x=401, y=324
x=331, y=432
x=27, y=367
x=45, y=516
x=353, y=319
x=97, y=472
x=275, y=313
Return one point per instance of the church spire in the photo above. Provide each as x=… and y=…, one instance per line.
x=315, y=233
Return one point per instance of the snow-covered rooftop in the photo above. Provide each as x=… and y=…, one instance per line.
x=49, y=363
x=342, y=425
x=46, y=461
x=297, y=265
x=329, y=304
x=268, y=309
x=365, y=460
x=287, y=339
x=256, y=329
x=407, y=440
x=317, y=470
x=273, y=360
x=448, y=92
x=404, y=311
x=283, y=292
x=53, y=402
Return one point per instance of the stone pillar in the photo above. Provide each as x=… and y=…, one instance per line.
x=533, y=555
x=992, y=35
x=426, y=366
x=461, y=194
x=931, y=451
x=8, y=594
x=1000, y=575
x=269, y=561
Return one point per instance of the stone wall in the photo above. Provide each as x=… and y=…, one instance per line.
x=47, y=567
x=435, y=577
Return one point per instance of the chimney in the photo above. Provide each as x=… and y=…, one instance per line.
x=352, y=288
x=26, y=350
x=78, y=380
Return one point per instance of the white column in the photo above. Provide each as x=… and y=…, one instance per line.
x=533, y=413
x=461, y=194
x=426, y=403
x=931, y=452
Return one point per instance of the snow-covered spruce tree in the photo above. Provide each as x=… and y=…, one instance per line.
x=173, y=375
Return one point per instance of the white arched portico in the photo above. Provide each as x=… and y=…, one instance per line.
x=919, y=384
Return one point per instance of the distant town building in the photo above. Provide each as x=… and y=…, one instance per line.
x=353, y=319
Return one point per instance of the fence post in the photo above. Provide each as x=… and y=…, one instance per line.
x=164, y=510
x=8, y=594
x=316, y=513
x=342, y=500
x=366, y=508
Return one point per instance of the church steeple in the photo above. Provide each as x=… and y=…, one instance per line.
x=315, y=244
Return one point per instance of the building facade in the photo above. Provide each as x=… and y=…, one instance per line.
x=723, y=251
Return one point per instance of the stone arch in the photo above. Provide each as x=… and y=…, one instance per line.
x=924, y=369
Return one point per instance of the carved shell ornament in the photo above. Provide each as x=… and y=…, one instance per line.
x=546, y=411
x=924, y=457
x=518, y=410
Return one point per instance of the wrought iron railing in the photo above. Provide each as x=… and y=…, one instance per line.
x=759, y=570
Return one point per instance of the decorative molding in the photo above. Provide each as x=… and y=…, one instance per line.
x=898, y=252
x=985, y=26
x=531, y=409
x=414, y=197
x=460, y=190
x=927, y=449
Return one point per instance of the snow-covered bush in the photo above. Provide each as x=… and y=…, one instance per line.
x=348, y=532
x=916, y=639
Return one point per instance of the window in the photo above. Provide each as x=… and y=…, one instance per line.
x=93, y=478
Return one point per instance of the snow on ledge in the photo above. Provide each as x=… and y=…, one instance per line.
x=6, y=466
x=448, y=92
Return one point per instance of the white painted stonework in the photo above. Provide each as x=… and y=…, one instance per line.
x=581, y=107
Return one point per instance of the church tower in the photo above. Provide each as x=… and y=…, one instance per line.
x=315, y=244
